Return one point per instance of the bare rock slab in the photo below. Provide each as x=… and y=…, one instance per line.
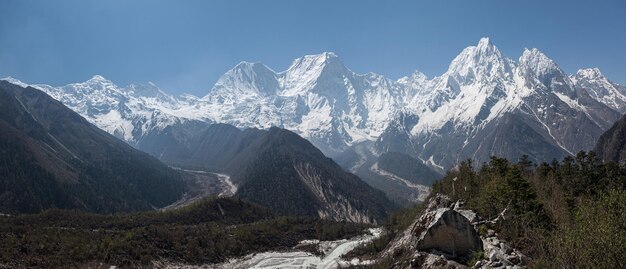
x=446, y=230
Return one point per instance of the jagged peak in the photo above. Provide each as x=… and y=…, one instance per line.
x=589, y=73
x=486, y=47
x=98, y=78
x=247, y=77
x=484, y=42
x=251, y=67
x=419, y=75
x=537, y=62
x=247, y=71
x=246, y=64
x=533, y=54
x=148, y=89
x=325, y=56
x=416, y=76
x=313, y=61
x=475, y=62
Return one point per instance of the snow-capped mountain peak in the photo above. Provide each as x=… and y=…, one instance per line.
x=416, y=76
x=476, y=63
x=588, y=74
x=592, y=81
x=538, y=63
x=246, y=80
x=314, y=63
x=98, y=78
x=100, y=81
x=303, y=74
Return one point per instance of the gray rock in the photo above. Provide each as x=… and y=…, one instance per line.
x=505, y=248
x=493, y=256
x=447, y=231
x=514, y=259
x=494, y=241
x=439, y=201
x=469, y=214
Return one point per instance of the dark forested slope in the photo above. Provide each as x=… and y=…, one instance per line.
x=52, y=157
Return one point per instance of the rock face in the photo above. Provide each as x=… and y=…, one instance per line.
x=498, y=254
x=449, y=232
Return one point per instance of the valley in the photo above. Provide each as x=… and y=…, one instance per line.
x=232, y=134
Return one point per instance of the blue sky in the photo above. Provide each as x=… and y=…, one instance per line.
x=184, y=46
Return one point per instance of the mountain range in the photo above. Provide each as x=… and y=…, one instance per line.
x=52, y=157
x=485, y=104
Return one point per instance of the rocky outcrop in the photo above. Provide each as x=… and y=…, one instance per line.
x=446, y=230
x=445, y=235
x=499, y=254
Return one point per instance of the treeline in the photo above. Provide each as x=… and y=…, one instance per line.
x=568, y=214
x=209, y=231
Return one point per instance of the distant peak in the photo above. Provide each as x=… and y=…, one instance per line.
x=478, y=62
x=246, y=64
x=319, y=61
x=98, y=79
x=485, y=47
x=535, y=57
x=148, y=89
x=321, y=57
x=589, y=73
x=531, y=52
x=484, y=42
x=417, y=75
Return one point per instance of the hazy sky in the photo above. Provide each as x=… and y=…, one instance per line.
x=184, y=46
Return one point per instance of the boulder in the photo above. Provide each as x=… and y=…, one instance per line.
x=447, y=231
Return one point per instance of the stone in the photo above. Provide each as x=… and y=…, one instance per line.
x=505, y=248
x=436, y=262
x=459, y=205
x=493, y=256
x=447, y=231
x=514, y=259
x=439, y=201
x=491, y=233
x=469, y=214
